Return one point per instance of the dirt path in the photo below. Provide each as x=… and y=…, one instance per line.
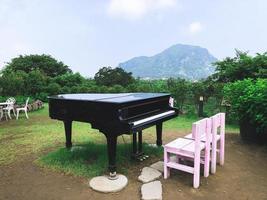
x=243, y=177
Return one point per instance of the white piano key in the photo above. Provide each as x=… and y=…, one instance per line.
x=153, y=117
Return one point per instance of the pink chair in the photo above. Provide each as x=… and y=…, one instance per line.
x=218, y=122
x=190, y=149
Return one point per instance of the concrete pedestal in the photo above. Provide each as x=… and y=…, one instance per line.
x=106, y=185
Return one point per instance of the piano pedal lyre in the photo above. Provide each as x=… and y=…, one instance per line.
x=138, y=154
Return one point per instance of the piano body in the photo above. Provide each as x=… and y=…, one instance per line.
x=113, y=115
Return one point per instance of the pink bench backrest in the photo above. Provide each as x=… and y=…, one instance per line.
x=200, y=129
x=218, y=121
x=203, y=124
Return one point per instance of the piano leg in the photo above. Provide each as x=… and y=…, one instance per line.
x=134, y=144
x=140, y=142
x=159, y=134
x=67, y=125
x=112, y=146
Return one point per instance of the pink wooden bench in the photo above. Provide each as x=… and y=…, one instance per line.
x=218, y=135
x=190, y=148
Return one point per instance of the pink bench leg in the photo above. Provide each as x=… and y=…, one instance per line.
x=166, y=169
x=196, y=171
x=222, y=140
x=207, y=162
x=207, y=150
x=213, y=155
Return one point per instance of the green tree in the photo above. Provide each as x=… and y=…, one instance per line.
x=108, y=77
x=53, y=89
x=69, y=80
x=240, y=67
x=179, y=89
x=13, y=83
x=44, y=63
x=35, y=82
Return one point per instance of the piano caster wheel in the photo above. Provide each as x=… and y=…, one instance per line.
x=113, y=176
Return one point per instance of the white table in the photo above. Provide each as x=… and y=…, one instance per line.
x=3, y=104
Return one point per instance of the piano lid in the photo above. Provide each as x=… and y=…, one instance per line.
x=109, y=98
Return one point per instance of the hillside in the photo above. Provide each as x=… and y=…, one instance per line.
x=185, y=61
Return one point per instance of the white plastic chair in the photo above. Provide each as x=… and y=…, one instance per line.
x=10, y=106
x=1, y=112
x=25, y=108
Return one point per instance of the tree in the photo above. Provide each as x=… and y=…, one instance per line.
x=13, y=83
x=35, y=82
x=179, y=89
x=44, y=63
x=240, y=67
x=53, y=88
x=198, y=89
x=108, y=77
x=69, y=80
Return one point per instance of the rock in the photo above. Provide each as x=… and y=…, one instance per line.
x=151, y=191
x=149, y=174
x=158, y=166
x=104, y=184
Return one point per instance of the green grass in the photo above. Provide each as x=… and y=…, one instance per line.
x=44, y=138
x=90, y=159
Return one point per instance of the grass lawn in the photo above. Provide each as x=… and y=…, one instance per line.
x=44, y=138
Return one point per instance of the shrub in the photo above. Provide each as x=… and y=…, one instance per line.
x=53, y=88
x=248, y=99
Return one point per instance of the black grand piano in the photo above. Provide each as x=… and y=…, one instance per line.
x=114, y=115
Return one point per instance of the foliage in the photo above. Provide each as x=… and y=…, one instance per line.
x=179, y=89
x=69, y=80
x=110, y=77
x=44, y=63
x=53, y=88
x=248, y=99
x=13, y=83
x=35, y=82
x=240, y=67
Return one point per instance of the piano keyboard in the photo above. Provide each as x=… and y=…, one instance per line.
x=141, y=121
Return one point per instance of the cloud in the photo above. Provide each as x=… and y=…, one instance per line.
x=195, y=27
x=136, y=9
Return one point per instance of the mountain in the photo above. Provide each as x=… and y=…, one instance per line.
x=184, y=61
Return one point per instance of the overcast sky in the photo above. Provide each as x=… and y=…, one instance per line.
x=87, y=35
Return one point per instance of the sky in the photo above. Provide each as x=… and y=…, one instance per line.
x=89, y=34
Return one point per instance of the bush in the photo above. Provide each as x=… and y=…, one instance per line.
x=42, y=96
x=248, y=99
x=53, y=88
